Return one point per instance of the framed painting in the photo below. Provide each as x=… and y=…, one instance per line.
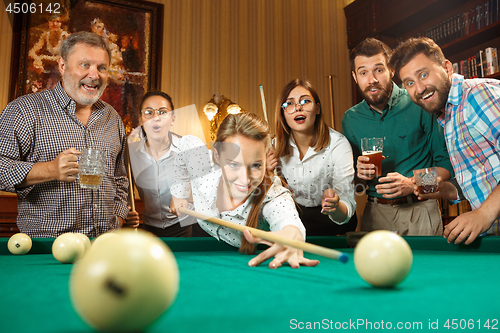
x=132, y=29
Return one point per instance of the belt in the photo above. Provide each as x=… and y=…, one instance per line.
x=409, y=199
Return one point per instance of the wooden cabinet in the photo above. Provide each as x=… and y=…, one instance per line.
x=393, y=21
x=8, y=214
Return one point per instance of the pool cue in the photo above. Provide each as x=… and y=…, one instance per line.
x=130, y=180
x=330, y=83
x=264, y=108
x=306, y=247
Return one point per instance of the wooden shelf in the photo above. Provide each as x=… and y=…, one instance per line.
x=393, y=21
x=493, y=76
x=473, y=39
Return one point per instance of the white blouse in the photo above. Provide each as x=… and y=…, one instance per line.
x=193, y=163
x=153, y=180
x=331, y=167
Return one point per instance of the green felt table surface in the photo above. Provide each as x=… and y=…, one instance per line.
x=448, y=285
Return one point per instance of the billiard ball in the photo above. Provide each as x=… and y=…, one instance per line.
x=125, y=282
x=19, y=243
x=104, y=237
x=68, y=248
x=383, y=258
x=86, y=241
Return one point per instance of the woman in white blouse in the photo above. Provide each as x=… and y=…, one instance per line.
x=152, y=149
x=236, y=186
x=315, y=160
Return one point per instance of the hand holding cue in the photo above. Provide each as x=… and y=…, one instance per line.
x=306, y=247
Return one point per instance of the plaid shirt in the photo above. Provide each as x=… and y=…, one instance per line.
x=472, y=131
x=37, y=128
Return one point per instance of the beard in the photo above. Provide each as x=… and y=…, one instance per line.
x=73, y=86
x=382, y=97
x=438, y=104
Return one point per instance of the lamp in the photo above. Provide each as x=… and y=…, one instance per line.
x=217, y=109
x=210, y=110
x=233, y=108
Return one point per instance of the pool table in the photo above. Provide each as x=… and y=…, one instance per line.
x=450, y=287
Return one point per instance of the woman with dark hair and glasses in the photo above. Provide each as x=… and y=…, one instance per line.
x=152, y=149
x=315, y=160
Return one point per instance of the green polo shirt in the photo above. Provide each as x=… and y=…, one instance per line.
x=412, y=137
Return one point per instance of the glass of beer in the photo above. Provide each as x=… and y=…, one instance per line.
x=91, y=166
x=372, y=148
x=426, y=180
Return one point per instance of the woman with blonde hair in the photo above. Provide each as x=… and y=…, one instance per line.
x=234, y=184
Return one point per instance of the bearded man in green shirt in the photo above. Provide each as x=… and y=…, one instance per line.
x=412, y=140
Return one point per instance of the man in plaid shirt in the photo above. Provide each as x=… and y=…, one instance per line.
x=41, y=136
x=469, y=111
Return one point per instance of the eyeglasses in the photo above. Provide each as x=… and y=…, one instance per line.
x=305, y=104
x=149, y=113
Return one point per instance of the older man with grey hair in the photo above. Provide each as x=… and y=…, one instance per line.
x=41, y=136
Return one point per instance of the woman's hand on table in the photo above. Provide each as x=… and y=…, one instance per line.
x=282, y=254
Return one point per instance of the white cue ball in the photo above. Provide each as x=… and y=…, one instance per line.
x=383, y=258
x=104, y=237
x=19, y=243
x=125, y=282
x=68, y=248
x=86, y=241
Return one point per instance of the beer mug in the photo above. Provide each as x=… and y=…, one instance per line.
x=426, y=180
x=372, y=148
x=91, y=166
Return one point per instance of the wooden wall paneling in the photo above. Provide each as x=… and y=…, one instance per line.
x=243, y=64
x=254, y=19
x=341, y=67
x=196, y=55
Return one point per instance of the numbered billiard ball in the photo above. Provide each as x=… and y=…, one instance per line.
x=68, y=248
x=383, y=258
x=125, y=282
x=19, y=243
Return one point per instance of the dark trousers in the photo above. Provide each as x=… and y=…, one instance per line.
x=318, y=224
x=174, y=230
x=198, y=231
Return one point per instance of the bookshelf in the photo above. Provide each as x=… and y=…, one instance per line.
x=465, y=30
x=393, y=21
